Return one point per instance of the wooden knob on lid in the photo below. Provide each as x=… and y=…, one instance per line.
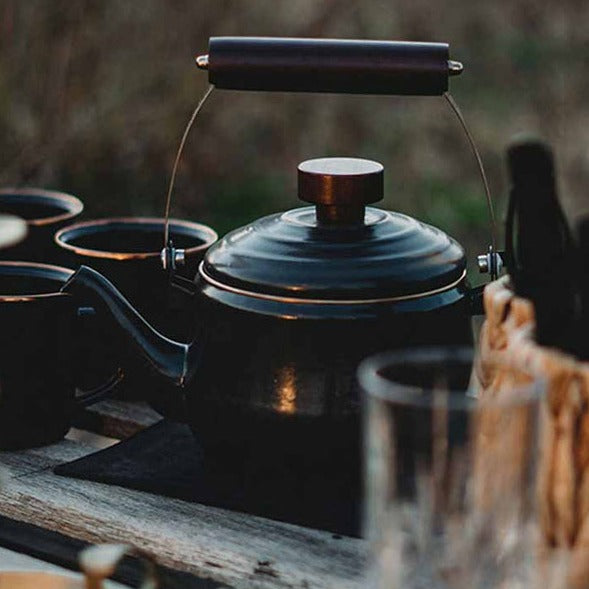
x=341, y=187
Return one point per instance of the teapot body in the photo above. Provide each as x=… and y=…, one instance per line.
x=285, y=389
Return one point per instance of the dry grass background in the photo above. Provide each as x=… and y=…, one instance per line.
x=94, y=95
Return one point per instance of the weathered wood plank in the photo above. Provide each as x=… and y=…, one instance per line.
x=52, y=547
x=117, y=419
x=240, y=550
x=20, y=463
x=86, y=438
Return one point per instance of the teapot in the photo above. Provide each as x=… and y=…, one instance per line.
x=286, y=307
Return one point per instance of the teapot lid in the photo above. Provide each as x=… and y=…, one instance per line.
x=339, y=251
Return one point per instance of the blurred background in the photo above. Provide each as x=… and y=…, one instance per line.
x=94, y=96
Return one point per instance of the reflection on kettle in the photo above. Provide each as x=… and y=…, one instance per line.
x=286, y=388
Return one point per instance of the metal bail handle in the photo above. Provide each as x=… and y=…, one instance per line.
x=346, y=66
x=329, y=65
x=321, y=65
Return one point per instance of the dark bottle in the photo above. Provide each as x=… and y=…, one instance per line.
x=540, y=250
x=582, y=326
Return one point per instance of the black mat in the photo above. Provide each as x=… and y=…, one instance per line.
x=166, y=459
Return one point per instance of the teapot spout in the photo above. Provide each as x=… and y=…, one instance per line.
x=169, y=358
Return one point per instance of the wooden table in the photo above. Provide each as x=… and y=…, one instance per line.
x=197, y=546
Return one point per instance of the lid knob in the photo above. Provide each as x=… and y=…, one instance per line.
x=341, y=187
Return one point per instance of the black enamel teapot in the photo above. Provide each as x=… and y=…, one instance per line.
x=286, y=307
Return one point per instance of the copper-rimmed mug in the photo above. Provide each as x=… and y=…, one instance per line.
x=127, y=250
x=42, y=360
x=44, y=211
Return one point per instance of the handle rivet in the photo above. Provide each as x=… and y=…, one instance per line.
x=455, y=68
x=172, y=258
x=491, y=263
x=202, y=62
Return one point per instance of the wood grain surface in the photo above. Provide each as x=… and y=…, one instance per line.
x=52, y=548
x=117, y=419
x=238, y=550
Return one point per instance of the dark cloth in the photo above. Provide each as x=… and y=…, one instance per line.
x=166, y=459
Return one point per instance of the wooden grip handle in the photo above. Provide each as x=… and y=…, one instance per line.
x=329, y=65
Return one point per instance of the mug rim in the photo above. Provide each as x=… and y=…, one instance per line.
x=208, y=234
x=66, y=273
x=375, y=385
x=72, y=205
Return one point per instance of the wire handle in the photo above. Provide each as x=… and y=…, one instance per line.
x=331, y=65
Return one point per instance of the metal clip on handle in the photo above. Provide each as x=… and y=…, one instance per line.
x=329, y=65
x=99, y=562
x=172, y=258
x=491, y=263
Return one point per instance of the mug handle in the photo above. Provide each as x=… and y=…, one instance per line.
x=99, y=562
x=85, y=398
x=99, y=393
